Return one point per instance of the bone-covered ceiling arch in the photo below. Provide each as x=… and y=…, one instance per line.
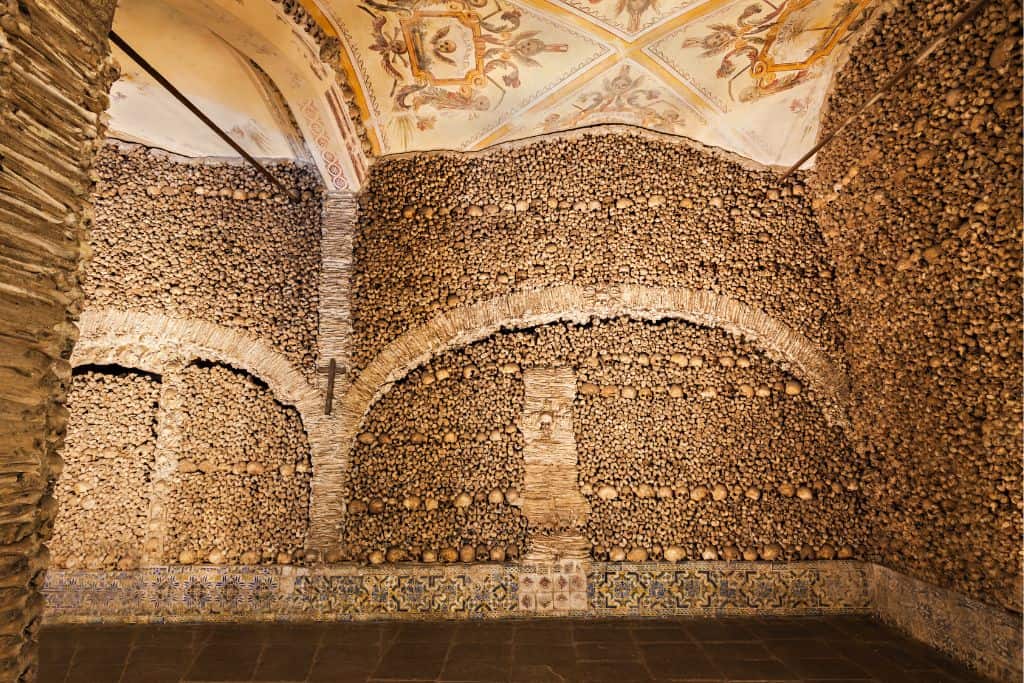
x=749, y=76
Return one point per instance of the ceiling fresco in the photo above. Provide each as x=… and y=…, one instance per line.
x=336, y=81
x=449, y=74
x=748, y=75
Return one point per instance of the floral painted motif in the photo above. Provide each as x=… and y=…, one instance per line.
x=777, y=46
x=623, y=96
x=463, y=55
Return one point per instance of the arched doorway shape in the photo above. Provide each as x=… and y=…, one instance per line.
x=523, y=310
x=156, y=343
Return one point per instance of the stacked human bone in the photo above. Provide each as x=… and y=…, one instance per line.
x=242, y=488
x=437, y=471
x=920, y=203
x=208, y=241
x=441, y=231
x=108, y=459
x=692, y=445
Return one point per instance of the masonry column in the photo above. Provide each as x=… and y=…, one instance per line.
x=54, y=80
x=553, y=575
x=333, y=342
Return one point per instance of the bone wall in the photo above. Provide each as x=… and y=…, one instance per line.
x=201, y=465
x=437, y=471
x=242, y=490
x=693, y=440
x=440, y=231
x=108, y=461
x=920, y=203
x=691, y=443
x=208, y=241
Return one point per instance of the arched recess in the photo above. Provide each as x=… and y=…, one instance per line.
x=265, y=33
x=158, y=343
x=521, y=310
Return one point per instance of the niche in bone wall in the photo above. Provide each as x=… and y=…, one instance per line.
x=103, y=491
x=921, y=206
x=437, y=470
x=691, y=443
x=241, y=491
x=208, y=241
x=440, y=231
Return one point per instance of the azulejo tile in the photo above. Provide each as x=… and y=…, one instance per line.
x=987, y=638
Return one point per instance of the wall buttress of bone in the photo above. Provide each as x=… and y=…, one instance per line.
x=920, y=203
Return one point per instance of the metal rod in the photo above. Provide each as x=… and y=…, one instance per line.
x=151, y=70
x=896, y=78
x=332, y=368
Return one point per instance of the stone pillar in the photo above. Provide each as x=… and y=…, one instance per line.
x=553, y=576
x=54, y=80
x=338, y=226
x=552, y=502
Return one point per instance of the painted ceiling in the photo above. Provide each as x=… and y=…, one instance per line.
x=336, y=81
x=746, y=75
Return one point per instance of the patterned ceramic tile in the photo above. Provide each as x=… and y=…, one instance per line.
x=987, y=638
x=559, y=587
x=715, y=588
x=458, y=591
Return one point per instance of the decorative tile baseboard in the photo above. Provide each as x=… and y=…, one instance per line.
x=576, y=588
x=728, y=588
x=280, y=593
x=986, y=638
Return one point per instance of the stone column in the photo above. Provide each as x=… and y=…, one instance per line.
x=54, y=80
x=333, y=341
x=553, y=576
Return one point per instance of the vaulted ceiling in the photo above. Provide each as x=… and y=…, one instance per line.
x=748, y=76
x=745, y=75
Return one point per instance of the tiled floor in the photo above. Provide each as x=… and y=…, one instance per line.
x=805, y=649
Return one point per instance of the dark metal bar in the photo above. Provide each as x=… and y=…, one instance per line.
x=332, y=368
x=151, y=70
x=896, y=78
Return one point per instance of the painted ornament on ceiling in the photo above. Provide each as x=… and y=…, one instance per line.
x=627, y=96
x=776, y=48
x=629, y=19
x=456, y=56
